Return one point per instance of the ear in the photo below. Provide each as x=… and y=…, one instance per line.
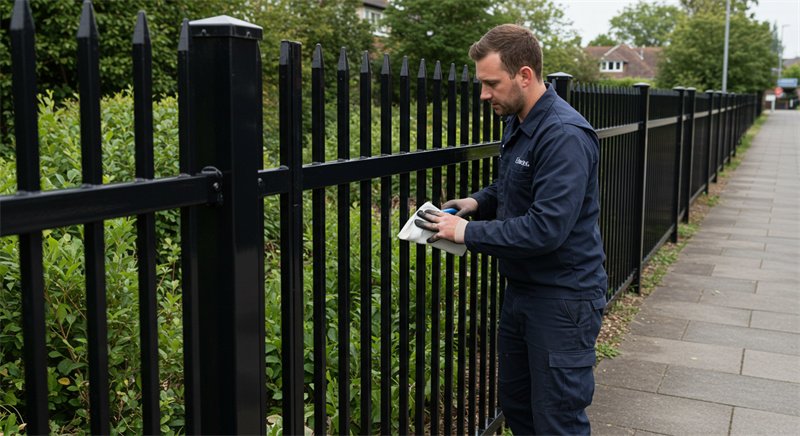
x=527, y=76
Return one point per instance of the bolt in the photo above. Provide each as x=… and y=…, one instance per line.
x=215, y=186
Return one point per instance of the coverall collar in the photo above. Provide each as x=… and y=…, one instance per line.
x=536, y=114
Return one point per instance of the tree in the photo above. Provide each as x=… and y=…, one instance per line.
x=694, y=58
x=693, y=7
x=603, y=40
x=437, y=29
x=445, y=29
x=56, y=24
x=645, y=24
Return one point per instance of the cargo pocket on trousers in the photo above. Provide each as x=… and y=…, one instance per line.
x=573, y=380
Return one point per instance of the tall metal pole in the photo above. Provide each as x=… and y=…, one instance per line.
x=725, y=56
x=780, y=52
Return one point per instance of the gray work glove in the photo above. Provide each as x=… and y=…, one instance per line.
x=465, y=206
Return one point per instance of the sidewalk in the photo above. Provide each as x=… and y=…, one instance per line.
x=715, y=349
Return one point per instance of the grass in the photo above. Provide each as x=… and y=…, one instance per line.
x=616, y=322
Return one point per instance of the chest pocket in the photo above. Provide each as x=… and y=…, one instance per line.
x=518, y=186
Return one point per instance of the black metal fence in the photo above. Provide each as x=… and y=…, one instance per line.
x=659, y=150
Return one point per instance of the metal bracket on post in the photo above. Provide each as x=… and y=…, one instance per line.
x=644, y=114
x=560, y=81
x=215, y=176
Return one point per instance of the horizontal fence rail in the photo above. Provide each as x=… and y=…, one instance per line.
x=400, y=340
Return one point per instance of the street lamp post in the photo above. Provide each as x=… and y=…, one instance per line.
x=725, y=56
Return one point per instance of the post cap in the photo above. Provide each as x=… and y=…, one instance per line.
x=225, y=26
x=559, y=76
x=679, y=88
x=641, y=85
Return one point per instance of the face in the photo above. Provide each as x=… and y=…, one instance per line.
x=498, y=87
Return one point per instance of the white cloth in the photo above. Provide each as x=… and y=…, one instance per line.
x=412, y=233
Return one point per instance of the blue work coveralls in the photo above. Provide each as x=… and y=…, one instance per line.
x=540, y=219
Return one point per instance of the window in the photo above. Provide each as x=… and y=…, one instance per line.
x=374, y=18
x=611, y=66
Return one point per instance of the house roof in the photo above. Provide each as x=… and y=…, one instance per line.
x=641, y=61
x=380, y=4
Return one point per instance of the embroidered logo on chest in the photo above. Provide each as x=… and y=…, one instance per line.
x=521, y=162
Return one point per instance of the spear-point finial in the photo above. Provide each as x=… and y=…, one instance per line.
x=465, y=74
x=316, y=58
x=423, y=72
x=88, y=24
x=452, y=76
x=365, y=67
x=141, y=34
x=385, y=69
x=437, y=71
x=21, y=17
x=404, y=67
x=183, y=41
x=343, y=65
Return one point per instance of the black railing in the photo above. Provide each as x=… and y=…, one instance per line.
x=659, y=150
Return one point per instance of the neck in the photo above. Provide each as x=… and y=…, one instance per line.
x=537, y=91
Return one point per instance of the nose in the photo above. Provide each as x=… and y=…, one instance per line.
x=485, y=93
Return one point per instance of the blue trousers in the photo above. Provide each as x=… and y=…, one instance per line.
x=546, y=355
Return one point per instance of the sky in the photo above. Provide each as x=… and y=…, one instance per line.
x=590, y=18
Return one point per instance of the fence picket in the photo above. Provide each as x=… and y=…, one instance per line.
x=26, y=131
x=91, y=155
x=146, y=226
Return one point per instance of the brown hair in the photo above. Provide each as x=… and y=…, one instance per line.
x=516, y=46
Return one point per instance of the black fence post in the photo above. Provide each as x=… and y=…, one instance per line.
x=226, y=125
x=676, y=188
x=710, y=140
x=560, y=82
x=641, y=171
x=688, y=154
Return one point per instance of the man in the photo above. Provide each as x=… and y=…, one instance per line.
x=540, y=218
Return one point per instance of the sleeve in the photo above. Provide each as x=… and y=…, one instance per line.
x=487, y=202
x=562, y=164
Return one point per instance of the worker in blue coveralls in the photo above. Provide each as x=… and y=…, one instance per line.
x=540, y=219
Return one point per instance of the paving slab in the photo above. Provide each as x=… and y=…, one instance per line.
x=752, y=301
x=789, y=265
x=690, y=354
x=701, y=312
x=655, y=325
x=603, y=429
x=674, y=293
x=775, y=321
x=743, y=337
x=752, y=254
x=658, y=413
x=784, y=290
x=624, y=372
x=772, y=365
x=711, y=259
x=697, y=268
x=732, y=389
x=708, y=283
x=738, y=272
x=749, y=422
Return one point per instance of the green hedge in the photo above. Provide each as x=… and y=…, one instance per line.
x=65, y=288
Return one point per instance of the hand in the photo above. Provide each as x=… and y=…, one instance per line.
x=465, y=206
x=444, y=225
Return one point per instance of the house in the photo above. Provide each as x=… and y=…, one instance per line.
x=372, y=11
x=623, y=60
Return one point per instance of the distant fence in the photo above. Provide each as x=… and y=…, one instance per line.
x=659, y=150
